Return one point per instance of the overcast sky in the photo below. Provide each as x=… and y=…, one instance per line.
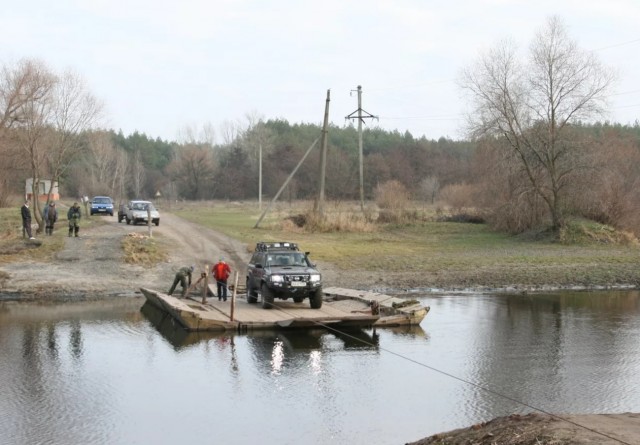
x=160, y=65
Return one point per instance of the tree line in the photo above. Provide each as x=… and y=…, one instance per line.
x=532, y=158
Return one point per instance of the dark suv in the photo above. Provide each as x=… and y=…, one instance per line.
x=280, y=270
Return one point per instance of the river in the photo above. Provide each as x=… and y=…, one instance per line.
x=118, y=372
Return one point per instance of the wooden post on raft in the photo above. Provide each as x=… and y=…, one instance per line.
x=205, y=288
x=233, y=296
x=149, y=220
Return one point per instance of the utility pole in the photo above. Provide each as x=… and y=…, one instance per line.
x=260, y=177
x=361, y=115
x=323, y=155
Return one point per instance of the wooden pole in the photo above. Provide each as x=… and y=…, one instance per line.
x=206, y=284
x=260, y=178
x=323, y=155
x=85, y=201
x=149, y=220
x=233, y=297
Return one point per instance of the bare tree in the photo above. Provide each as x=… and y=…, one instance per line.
x=193, y=170
x=108, y=164
x=137, y=174
x=31, y=122
x=18, y=87
x=429, y=187
x=75, y=110
x=192, y=135
x=119, y=178
x=531, y=104
x=229, y=131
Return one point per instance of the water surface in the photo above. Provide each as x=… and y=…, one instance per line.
x=110, y=373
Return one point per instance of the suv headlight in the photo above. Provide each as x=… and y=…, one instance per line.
x=277, y=279
x=314, y=278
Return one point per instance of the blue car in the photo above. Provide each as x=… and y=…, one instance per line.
x=102, y=205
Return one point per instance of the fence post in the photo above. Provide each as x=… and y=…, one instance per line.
x=233, y=296
x=206, y=282
x=149, y=220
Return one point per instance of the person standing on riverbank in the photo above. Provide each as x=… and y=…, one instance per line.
x=221, y=272
x=182, y=276
x=73, y=215
x=50, y=217
x=26, y=219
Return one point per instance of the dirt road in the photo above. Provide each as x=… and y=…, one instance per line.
x=92, y=266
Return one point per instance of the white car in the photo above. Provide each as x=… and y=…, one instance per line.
x=137, y=211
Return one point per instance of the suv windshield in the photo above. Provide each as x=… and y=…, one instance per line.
x=286, y=259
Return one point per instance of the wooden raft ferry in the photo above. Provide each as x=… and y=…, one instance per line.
x=341, y=308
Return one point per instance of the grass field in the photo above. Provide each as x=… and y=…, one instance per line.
x=430, y=253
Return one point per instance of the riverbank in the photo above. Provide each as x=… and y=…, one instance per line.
x=541, y=429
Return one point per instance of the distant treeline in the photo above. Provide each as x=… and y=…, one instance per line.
x=462, y=174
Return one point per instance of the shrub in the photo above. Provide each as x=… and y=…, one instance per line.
x=392, y=195
x=458, y=196
x=339, y=218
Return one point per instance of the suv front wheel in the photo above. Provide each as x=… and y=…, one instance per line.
x=315, y=299
x=251, y=293
x=267, y=297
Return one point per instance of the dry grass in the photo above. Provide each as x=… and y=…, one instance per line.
x=142, y=250
x=587, y=232
x=336, y=220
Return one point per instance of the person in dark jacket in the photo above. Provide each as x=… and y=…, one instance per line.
x=26, y=219
x=73, y=215
x=182, y=276
x=50, y=217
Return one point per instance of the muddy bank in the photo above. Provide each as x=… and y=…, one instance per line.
x=542, y=429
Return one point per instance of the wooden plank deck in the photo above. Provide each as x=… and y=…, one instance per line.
x=394, y=311
x=216, y=315
x=342, y=307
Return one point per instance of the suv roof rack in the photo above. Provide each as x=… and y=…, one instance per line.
x=280, y=245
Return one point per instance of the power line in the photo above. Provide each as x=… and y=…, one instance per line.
x=430, y=118
x=413, y=85
x=460, y=379
x=615, y=45
x=627, y=106
x=624, y=93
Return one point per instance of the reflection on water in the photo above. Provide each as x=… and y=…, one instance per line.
x=110, y=372
x=172, y=331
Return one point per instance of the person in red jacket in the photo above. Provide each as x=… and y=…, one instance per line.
x=221, y=272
